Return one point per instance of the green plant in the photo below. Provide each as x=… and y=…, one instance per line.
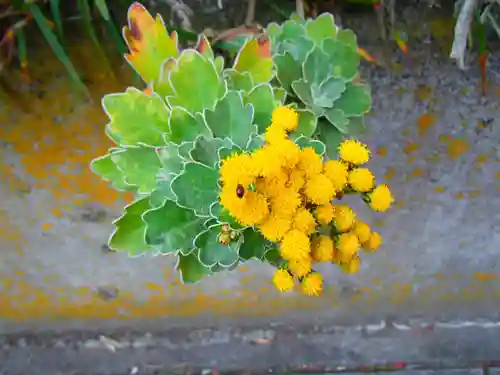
x=223, y=170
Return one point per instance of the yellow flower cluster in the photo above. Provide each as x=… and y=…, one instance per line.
x=288, y=194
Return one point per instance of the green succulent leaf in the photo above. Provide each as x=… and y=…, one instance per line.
x=345, y=58
x=330, y=136
x=130, y=232
x=287, y=70
x=219, y=64
x=280, y=94
x=232, y=118
x=196, y=188
x=317, y=145
x=170, y=158
x=191, y=269
x=348, y=38
x=338, y=119
x=205, y=150
x=323, y=27
x=357, y=126
x=203, y=47
x=238, y=81
x=108, y=171
x=162, y=85
x=298, y=48
x=196, y=83
x=256, y=142
x=253, y=246
x=273, y=257
x=263, y=101
x=136, y=118
x=223, y=216
x=185, y=127
x=212, y=252
x=172, y=228
x=307, y=123
x=303, y=91
x=356, y=100
x=255, y=58
x=139, y=166
x=317, y=66
x=327, y=92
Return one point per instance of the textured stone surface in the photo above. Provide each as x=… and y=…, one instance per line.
x=434, y=141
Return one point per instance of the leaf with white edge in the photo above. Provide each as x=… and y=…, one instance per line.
x=253, y=246
x=225, y=152
x=338, y=119
x=136, y=118
x=191, y=269
x=264, y=103
x=307, y=123
x=238, y=80
x=203, y=47
x=139, y=166
x=356, y=100
x=213, y=252
x=330, y=136
x=223, y=216
x=205, y=150
x=280, y=94
x=255, y=143
x=348, y=37
x=357, y=126
x=323, y=27
x=172, y=228
x=287, y=70
x=185, y=127
x=273, y=257
x=345, y=60
x=304, y=142
x=232, y=119
x=108, y=171
x=273, y=29
x=171, y=159
x=327, y=92
x=130, y=232
x=196, y=187
x=255, y=58
x=219, y=64
x=196, y=83
x=303, y=92
x=298, y=48
x=162, y=85
x=317, y=67
x=163, y=191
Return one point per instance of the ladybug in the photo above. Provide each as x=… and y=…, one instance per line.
x=240, y=191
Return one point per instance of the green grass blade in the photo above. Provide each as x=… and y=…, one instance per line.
x=103, y=9
x=55, y=9
x=58, y=49
x=84, y=9
x=22, y=51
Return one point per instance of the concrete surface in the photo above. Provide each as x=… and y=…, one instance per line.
x=435, y=282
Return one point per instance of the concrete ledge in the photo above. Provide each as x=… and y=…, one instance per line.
x=275, y=348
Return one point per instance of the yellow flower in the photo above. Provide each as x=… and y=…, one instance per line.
x=312, y=284
x=354, y=152
x=272, y=186
x=324, y=213
x=344, y=218
x=300, y=267
x=352, y=266
x=362, y=230
x=295, y=245
x=347, y=246
x=275, y=227
x=249, y=208
x=289, y=153
x=238, y=169
x=373, y=242
x=286, y=203
x=296, y=179
x=310, y=162
x=381, y=198
x=285, y=117
x=283, y=280
x=268, y=161
x=319, y=189
x=275, y=134
x=323, y=249
x=304, y=221
x=336, y=171
x=361, y=179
